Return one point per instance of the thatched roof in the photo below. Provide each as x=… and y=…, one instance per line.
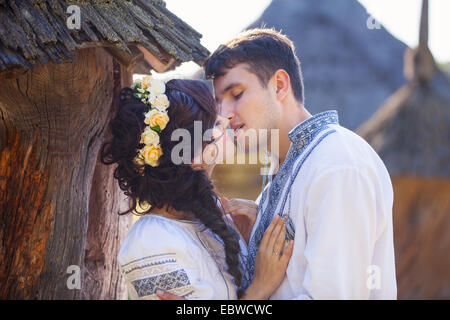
x=346, y=66
x=36, y=30
x=411, y=131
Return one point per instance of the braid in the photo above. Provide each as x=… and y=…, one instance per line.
x=205, y=209
x=171, y=185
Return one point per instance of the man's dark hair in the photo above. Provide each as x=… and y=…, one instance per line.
x=265, y=51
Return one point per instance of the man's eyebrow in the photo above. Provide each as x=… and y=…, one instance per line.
x=230, y=86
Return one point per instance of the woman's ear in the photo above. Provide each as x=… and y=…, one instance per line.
x=283, y=84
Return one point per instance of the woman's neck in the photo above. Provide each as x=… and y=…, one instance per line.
x=172, y=213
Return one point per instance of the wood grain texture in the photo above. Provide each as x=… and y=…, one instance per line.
x=36, y=31
x=106, y=229
x=52, y=125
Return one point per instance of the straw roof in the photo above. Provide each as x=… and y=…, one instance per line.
x=346, y=65
x=411, y=131
x=36, y=30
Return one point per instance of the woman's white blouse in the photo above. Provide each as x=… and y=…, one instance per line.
x=179, y=256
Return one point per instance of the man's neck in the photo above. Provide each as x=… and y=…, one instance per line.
x=295, y=115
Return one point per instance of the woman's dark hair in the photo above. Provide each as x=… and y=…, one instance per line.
x=169, y=185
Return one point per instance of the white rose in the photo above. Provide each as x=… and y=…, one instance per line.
x=160, y=101
x=156, y=86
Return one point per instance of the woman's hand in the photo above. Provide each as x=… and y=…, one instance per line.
x=243, y=212
x=166, y=295
x=271, y=261
x=270, y=264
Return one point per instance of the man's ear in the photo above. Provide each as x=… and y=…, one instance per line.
x=283, y=84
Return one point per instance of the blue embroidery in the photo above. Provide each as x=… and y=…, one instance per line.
x=150, y=265
x=166, y=281
x=301, y=137
x=143, y=258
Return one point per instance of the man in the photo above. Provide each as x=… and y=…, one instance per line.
x=331, y=183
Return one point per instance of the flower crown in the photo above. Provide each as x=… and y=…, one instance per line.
x=151, y=92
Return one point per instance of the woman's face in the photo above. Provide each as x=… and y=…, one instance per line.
x=223, y=146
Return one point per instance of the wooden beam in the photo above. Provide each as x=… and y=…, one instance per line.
x=127, y=59
x=159, y=65
x=423, y=33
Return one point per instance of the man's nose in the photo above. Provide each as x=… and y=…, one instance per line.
x=226, y=110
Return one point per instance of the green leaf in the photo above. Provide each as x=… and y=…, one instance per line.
x=157, y=129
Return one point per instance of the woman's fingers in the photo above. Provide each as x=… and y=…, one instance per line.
x=268, y=232
x=166, y=295
x=244, y=213
x=235, y=204
x=280, y=239
x=241, y=207
x=275, y=234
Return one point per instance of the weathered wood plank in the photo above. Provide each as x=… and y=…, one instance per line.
x=36, y=30
x=54, y=117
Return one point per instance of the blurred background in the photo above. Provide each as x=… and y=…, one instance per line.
x=385, y=66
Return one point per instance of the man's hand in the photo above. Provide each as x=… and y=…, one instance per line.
x=166, y=295
x=243, y=212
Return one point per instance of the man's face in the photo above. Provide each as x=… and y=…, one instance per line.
x=247, y=103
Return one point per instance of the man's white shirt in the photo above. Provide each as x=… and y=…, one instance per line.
x=341, y=207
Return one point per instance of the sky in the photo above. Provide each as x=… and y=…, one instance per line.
x=219, y=20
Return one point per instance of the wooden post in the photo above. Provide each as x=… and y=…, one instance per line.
x=52, y=125
x=106, y=229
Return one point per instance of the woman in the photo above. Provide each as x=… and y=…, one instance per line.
x=182, y=243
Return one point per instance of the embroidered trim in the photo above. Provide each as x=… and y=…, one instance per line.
x=163, y=271
x=150, y=265
x=147, y=257
x=301, y=136
x=297, y=169
x=166, y=281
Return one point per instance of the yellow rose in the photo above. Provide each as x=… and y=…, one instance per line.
x=156, y=118
x=151, y=155
x=149, y=137
x=160, y=101
x=146, y=82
